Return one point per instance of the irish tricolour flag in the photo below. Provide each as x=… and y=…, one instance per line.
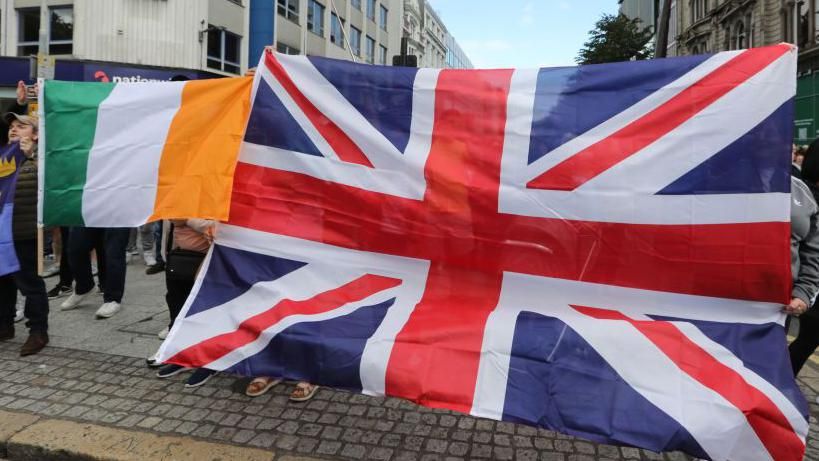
x=122, y=154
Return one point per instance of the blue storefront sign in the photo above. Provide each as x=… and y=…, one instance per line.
x=90, y=71
x=14, y=69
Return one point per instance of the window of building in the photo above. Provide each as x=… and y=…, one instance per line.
x=738, y=38
x=60, y=30
x=382, y=55
x=370, y=50
x=224, y=49
x=286, y=49
x=382, y=17
x=315, y=17
x=356, y=4
x=699, y=8
x=289, y=9
x=371, y=10
x=336, y=34
x=355, y=41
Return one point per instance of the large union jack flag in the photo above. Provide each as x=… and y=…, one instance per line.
x=601, y=250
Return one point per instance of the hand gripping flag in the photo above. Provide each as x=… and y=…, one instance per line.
x=11, y=157
x=600, y=250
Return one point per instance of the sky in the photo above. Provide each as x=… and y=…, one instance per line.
x=521, y=33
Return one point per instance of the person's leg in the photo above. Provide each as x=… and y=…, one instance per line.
x=8, y=304
x=158, y=242
x=116, y=241
x=80, y=243
x=178, y=291
x=146, y=232
x=66, y=276
x=31, y=286
x=806, y=341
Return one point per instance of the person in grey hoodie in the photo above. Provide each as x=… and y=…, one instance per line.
x=805, y=258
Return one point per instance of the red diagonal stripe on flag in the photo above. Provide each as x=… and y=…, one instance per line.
x=248, y=331
x=599, y=157
x=766, y=419
x=344, y=147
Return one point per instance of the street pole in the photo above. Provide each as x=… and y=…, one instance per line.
x=661, y=44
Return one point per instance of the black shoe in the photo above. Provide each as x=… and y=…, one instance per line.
x=6, y=332
x=155, y=269
x=34, y=344
x=59, y=291
x=199, y=377
x=170, y=370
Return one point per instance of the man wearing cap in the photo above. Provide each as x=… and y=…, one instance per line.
x=23, y=129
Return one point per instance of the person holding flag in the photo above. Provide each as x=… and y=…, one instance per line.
x=18, y=219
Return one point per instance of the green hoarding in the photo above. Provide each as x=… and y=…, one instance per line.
x=807, y=109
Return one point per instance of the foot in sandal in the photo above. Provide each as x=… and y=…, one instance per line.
x=303, y=391
x=260, y=386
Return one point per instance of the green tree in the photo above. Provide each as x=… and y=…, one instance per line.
x=616, y=38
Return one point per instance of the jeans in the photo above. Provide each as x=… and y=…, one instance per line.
x=158, y=239
x=114, y=241
x=30, y=285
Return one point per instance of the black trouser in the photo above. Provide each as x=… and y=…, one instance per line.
x=806, y=341
x=66, y=274
x=111, y=262
x=178, y=291
x=30, y=285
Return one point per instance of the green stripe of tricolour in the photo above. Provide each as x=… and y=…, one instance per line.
x=70, y=110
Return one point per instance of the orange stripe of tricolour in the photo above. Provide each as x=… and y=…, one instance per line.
x=199, y=158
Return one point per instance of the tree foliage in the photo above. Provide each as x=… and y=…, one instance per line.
x=616, y=38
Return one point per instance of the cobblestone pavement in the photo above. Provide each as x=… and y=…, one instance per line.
x=95, y=372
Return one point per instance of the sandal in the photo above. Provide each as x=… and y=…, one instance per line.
x=303, y=392
x=260, y=386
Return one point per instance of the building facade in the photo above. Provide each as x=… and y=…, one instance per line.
x=123, y=40
x=362, y=30
x=648, y=12
x=429, y=39
x=206, y=35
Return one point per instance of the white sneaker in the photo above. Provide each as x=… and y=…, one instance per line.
x=150, y=259
x=108, y=310
x=73, y=301
x=52, y=270
x=164, y=333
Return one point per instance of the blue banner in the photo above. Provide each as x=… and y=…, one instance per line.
x=11, y=157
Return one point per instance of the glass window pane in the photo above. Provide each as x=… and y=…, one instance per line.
x=231, y=68
x=232, y=47
x=356, y=4
x=65, y=48
x=355, y=40
x=214, y=64
x=383, y=18
x=62, y=24
x=371, y=9
x=27, y=50
x=29, y=25
x=214, y=43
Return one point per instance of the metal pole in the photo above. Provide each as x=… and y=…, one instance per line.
x=343, y=32
x=43, y=44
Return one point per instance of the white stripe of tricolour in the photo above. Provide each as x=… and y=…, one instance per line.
x=708, y=417
x=327, y=99
x=41, y=140
x=704, y=135
x=623, y=119
x=123, y=164
x=392, y=182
